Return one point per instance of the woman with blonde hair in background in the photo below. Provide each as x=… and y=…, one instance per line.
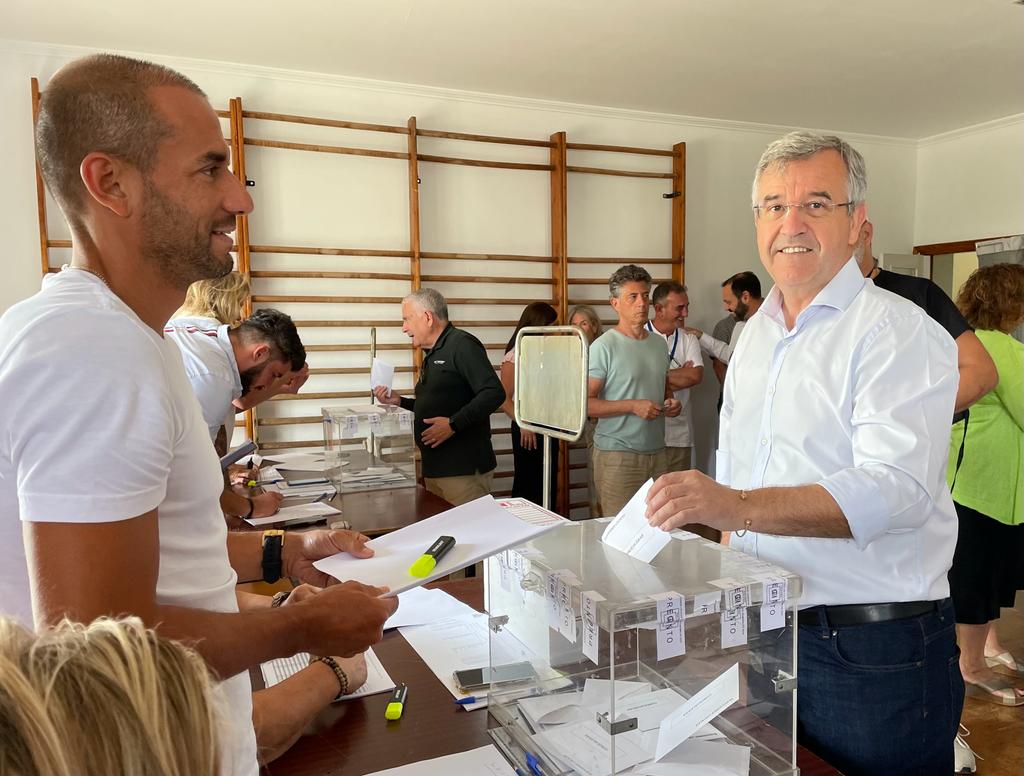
x=584, y=317
x=222, y=299
x=104, y=699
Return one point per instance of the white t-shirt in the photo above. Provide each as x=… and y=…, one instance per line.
x=682, y=347
x=100, y=425
x=210, y=366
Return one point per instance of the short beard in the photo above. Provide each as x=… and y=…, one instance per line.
x=741, y=311
x=248, y=376
x=176, y=244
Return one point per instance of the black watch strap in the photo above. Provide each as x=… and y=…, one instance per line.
x=273, y=541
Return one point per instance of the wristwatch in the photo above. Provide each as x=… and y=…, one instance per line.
x=273, y=541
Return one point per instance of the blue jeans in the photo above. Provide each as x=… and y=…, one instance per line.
x=881, y=698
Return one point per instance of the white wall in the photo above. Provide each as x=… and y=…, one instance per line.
x=353, y=201
x=970, y=183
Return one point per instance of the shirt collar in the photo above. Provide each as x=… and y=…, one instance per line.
x=224, y=340
x=441, y=337
x=838, y=294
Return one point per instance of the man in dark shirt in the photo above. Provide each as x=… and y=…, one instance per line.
x=977, y=372
x=457, y=391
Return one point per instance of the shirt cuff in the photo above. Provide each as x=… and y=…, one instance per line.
x=860, y=499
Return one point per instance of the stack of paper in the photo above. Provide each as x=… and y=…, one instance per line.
x=321, y=490
x=377, y=679
x=312, y=512
x=485, y=761
x=421, y=606
x=306, y=462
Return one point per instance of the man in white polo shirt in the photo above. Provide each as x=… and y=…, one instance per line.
x=109, y=488
x=228, y=366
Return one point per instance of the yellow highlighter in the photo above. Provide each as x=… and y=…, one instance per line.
x=397, y=703
x=428, y=560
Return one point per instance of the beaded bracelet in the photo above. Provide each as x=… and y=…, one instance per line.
x=339, y=672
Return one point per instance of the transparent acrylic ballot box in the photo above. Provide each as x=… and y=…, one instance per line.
x=602, y=664
x=372, y=447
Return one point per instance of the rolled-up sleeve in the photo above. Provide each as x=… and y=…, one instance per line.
x=904, y=388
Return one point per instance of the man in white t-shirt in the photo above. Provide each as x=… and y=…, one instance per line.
x=228, y=366
x=108, y=480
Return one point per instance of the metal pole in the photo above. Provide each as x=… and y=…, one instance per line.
x=545, y=500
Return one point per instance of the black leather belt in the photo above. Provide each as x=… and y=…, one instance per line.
x=862, y=614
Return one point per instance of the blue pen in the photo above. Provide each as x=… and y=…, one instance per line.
x=534, y=765
x=468, y=700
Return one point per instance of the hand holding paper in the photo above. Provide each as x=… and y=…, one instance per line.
x=631, y=533
x=382, y=374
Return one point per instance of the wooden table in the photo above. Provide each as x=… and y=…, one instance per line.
x=352, y=738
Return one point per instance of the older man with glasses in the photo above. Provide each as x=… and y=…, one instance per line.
x=832, y=456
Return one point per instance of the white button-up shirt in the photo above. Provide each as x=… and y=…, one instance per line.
x=858, y=397
x=682, y=347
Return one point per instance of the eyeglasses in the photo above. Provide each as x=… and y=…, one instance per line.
x=813, y=208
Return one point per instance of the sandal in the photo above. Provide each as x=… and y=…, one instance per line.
x=1004, y=660
x=995, y=690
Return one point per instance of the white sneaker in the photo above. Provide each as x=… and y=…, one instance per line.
x=964, y=760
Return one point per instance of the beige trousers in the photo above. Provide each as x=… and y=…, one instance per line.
x=619, y=474
x=460, y=489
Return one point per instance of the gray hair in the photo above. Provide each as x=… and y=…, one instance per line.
x=630, y=273
x=803, y=144
x=430, y=301
x=662, y=290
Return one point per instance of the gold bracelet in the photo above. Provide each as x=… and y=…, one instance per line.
x=746, y=523
x=339, y=672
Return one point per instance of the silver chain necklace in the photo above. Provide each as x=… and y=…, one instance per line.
x=66, y=267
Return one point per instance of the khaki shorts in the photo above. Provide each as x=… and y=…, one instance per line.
x=678, y=459
x=618, y=474
x=460, y=489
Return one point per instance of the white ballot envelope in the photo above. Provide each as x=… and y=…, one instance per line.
x=381, y=373
x=630, y=531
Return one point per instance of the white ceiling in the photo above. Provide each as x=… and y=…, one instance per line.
x=904, y=68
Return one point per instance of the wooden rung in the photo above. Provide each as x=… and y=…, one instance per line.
x=502, y=493
x=619, y=149
x=467, y=324
x=598, y=281
x=503, y=475
x=577, y=466
x=615, y=260
x=287, y=445
x=274, y=298
x=253, y=114
x=354, y=348
x=58, y=243
x=290, y=421
x=326, y=149
x=619, y=173
x=482, y=163
x=500, y=301
x=503, y=452
x=466, y=279
x=484, y=138
x=322, y=395
x=347, y=324
x=355, y=370
x=308, y=251
x=316, y=274
x=224, y=114
x=484, y=256
x=579, y=504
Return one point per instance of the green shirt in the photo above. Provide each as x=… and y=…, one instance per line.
x=991, y=478
x=631, y=369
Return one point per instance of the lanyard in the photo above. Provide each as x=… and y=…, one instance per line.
x=675, y=341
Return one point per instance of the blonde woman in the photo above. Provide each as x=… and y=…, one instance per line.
x=221, y=299
x=585, y=317
x=107, y=698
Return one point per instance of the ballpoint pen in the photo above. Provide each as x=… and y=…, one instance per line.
x=467, y=701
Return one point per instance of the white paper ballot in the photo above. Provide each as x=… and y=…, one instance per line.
x=485, y=761
x=703, y=707
x=381, y=373
x=481, y=528
x=377, y=678
x=701, y=758
x=306, y=513
x=420, y=606
x=587, y=748
x=630, y=531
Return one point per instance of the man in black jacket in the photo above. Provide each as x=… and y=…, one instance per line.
x=457, y=391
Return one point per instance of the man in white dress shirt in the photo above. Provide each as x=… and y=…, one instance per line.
x=741, y=296
x=832, y=459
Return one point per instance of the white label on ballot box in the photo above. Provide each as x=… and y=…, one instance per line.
x=376, y=423
x=707, y=603
x=350, y=427
x=734, y=627
x=591, y=631
x=671, y=638
x=404, y=421
x=566, y=615
x=553, y=600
